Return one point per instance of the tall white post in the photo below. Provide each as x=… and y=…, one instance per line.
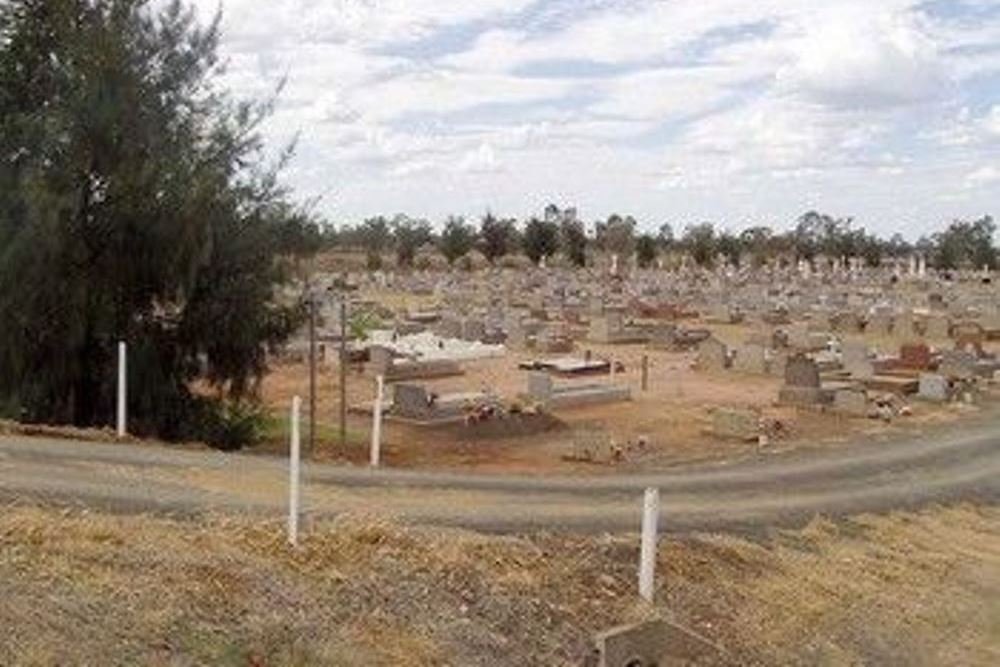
x=293, y=474
x=377, y=421
x=122, y=392
x=647, y=555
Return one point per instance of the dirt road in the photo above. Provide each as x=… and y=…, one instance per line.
x=746, y=496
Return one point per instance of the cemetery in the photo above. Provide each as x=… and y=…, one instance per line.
x=716, y=363
x=310, y=358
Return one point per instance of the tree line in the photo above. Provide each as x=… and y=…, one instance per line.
x=559, y=232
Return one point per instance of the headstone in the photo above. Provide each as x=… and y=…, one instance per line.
x=856, y=360
x=712, y=355
x=802, y=382
x=957, y=364
x=539, y=385
x=933, y=387
x=801, y=371
x=652, y=643
x=410, y=400
x=853, y=402
x=915, y=356
x=750, y=359
x=969, y=336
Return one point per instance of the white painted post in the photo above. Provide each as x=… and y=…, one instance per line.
x=612, y=370
x=647, y=555
x=293, y=474
x=377, y=421
x=122, y=392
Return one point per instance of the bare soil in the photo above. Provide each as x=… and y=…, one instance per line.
x=674, y=416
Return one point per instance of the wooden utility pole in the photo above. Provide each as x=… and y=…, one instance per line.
x=312, y=372
x=343, y=372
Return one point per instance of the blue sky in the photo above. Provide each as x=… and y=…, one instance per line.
x=674, y=111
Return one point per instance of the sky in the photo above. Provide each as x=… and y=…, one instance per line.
x=738, y=112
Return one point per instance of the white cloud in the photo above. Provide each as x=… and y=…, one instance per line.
x=991, y=121
x=480, y=161
x=665, y=108
x=855, y=60
x=986, y=175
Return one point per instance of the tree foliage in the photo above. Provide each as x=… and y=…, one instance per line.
x=541, y=239
x=408, y=235
x=616, y=235
x=136, y=204
x=965, y=245
x=573, y=240
x=699, y=242
x=646, y=250
x=457, y=239
x=497, y=236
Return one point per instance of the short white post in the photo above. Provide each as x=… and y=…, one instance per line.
x=647, y=555
x=122, y=392
x=377, y=421
x=293, y=474
x=612, y=370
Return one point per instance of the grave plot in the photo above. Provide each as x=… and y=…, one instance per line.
x=543, y=391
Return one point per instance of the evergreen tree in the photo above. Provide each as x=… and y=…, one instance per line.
x=134, y=205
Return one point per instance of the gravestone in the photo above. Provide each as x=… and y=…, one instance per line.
x=652, y=643
x=933, y=387
x=801, y=371
x=915, y=356
x=539, y=386
x=712, y=355
x=957, y=364
x=856, y=360
x=802, y=382
x=969, y=336
x=411, y=400
x=750, y=359
x=852, y=402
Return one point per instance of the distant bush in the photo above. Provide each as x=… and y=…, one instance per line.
x=228, y=425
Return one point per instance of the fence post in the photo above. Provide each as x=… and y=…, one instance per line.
x=647, y=555
x=122, y=415
x=293, y=474
x=377, y=421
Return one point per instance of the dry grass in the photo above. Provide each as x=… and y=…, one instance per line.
x=77, y=588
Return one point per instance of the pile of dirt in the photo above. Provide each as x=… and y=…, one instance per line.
x=79, y=588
